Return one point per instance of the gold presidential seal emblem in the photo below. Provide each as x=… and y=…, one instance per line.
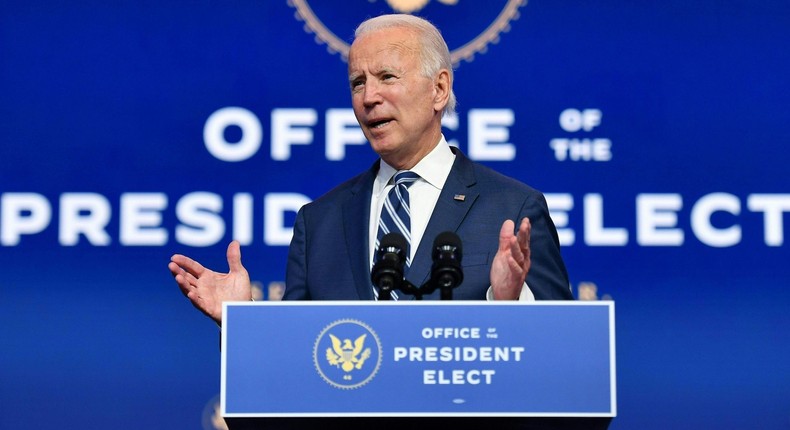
x=347, y=354
x=469, y=27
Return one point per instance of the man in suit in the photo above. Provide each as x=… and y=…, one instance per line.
x=401, y=84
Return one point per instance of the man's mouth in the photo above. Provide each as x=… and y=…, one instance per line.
x=379, y=123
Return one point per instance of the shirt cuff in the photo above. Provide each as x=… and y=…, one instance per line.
x=526, y=294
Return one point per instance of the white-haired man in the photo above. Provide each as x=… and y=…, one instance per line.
x=401, y=81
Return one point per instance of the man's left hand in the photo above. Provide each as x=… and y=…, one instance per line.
x=511, y=262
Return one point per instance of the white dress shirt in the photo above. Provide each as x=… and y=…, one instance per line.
x=423, y=195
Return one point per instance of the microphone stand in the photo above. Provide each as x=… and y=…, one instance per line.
x=407, y=287
x=445, y=290
x=446, y=273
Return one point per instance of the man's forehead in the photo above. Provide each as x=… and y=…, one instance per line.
x=380, y=52
x=385, y=40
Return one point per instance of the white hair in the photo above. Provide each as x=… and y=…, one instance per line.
x=434, y=54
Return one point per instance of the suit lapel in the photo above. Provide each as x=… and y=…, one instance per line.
x=457, y=197
x=356, y=217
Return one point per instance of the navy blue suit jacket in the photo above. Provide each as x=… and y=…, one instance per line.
x=329, y=256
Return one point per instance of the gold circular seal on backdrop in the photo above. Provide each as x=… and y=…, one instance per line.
x=465, y=52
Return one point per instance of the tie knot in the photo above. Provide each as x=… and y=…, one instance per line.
x=406, y=178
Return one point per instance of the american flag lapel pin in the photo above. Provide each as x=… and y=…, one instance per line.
x=459, y=197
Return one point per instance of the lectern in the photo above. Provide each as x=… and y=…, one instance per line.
x=421, y=364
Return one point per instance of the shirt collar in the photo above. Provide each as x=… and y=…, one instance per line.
x=433, y=168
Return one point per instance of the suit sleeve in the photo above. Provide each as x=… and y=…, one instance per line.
x=548, y=276
x=296, y=271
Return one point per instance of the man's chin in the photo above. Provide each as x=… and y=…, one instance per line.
x=382, y=145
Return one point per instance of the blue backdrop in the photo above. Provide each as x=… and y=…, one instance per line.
x=130, y=131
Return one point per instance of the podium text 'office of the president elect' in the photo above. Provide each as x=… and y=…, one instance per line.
x=432, y=361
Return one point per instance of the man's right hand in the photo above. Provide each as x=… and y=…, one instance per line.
x=207, y=289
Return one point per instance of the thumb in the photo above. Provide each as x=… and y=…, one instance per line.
x=234, y=256
x=505, y=234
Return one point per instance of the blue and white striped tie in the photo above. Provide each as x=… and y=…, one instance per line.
x=396, y=215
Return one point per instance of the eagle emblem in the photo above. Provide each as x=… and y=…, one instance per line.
x=341, y=353
x=347, y=355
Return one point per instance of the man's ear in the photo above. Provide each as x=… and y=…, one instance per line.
x=441, y=88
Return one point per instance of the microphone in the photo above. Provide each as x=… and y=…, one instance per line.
x=387, y=273
x=446, y=272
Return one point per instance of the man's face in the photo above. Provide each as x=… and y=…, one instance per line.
x=395, y=105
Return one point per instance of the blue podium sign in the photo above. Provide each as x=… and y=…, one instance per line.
x=437, y=358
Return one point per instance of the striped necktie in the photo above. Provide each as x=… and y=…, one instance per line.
x=395, y=213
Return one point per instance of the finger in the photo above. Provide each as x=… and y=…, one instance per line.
x=187, y=277
x=189, y=265
x=181, y=279
x=234, y=256
x=184, y=286
x=516, y=252
x=516, y=268
x=524, y=229
x=523, y=234
x=193, y=297
x=174, y=268
x=182, y=275
x=505, y=235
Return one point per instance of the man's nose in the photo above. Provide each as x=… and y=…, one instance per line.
x=372, y=94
